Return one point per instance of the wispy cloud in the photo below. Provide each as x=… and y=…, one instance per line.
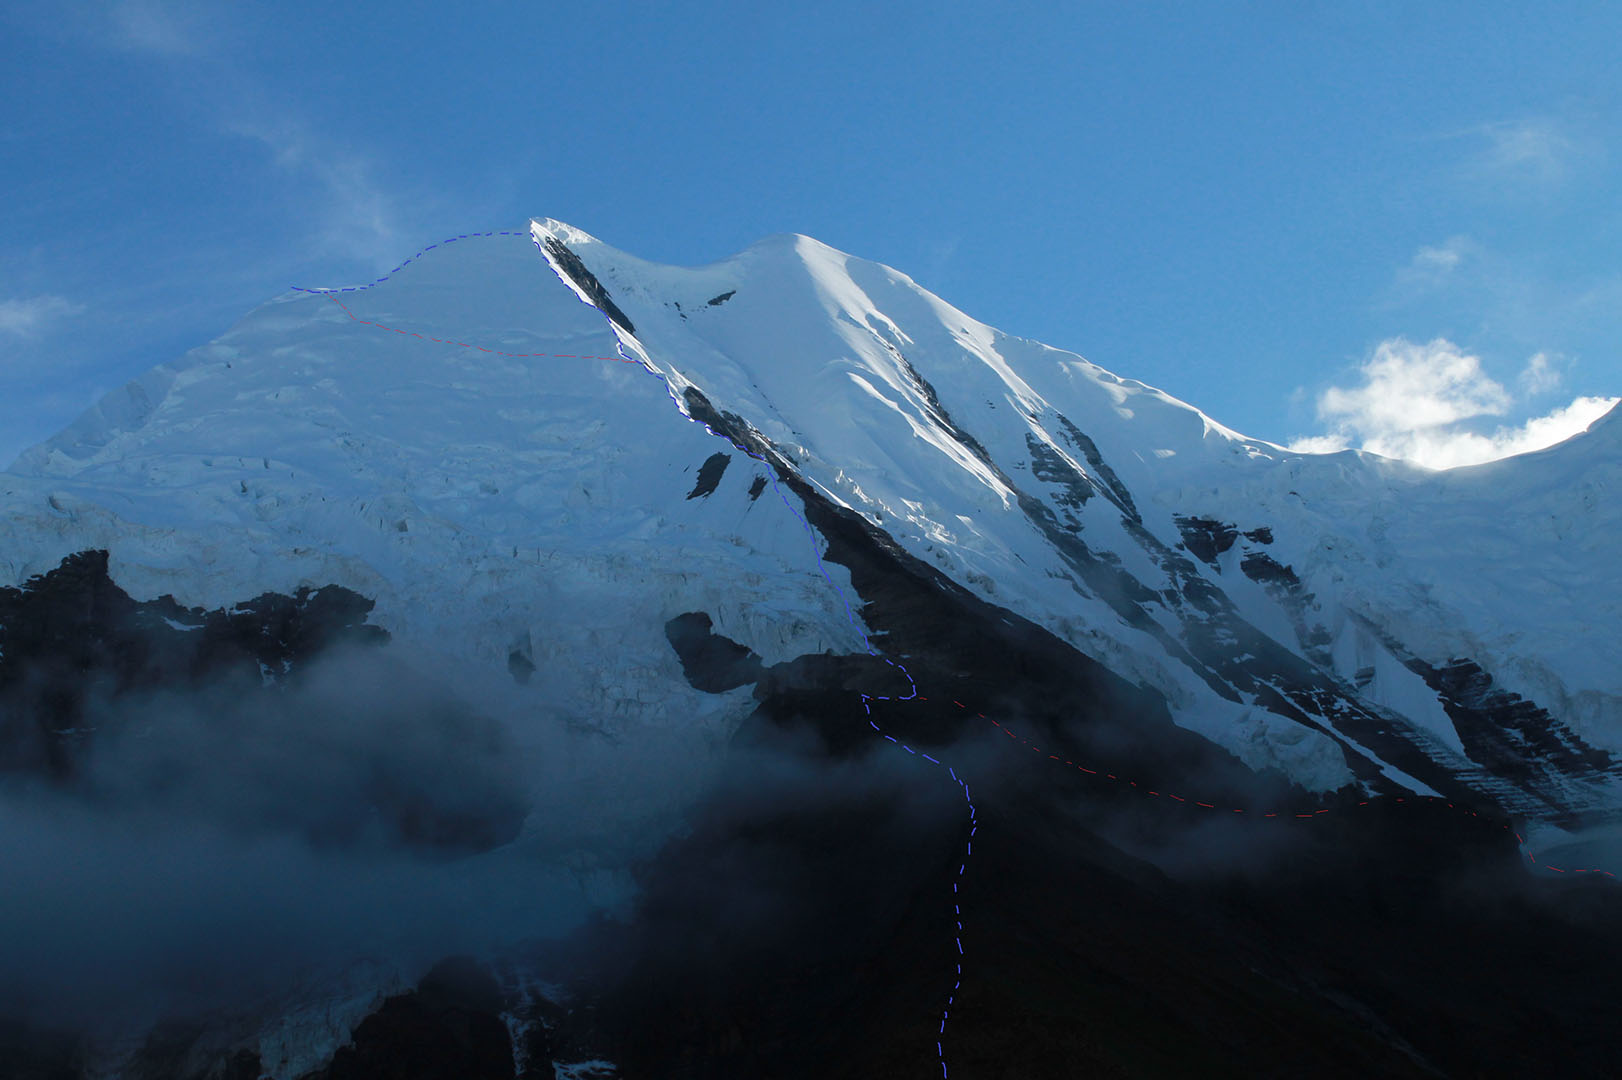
x=28, y=317
x=1536, y=149
x=1524, y=299
x=359, y=217
x=153, y=27
x=1418, y=402
x=1434, y=267
x=941, y=257
x=1526, y=155
x=350, y=212
x=1540, y=376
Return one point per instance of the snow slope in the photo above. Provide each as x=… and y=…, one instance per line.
x=537, y=505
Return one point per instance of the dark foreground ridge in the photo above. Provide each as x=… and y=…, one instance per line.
x=798, y=936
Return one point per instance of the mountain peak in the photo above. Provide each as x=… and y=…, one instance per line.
x=543, y=227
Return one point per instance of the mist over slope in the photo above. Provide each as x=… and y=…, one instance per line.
x=673, y=613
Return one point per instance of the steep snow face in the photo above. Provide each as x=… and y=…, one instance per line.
x=506, y=511
x=1065, y=493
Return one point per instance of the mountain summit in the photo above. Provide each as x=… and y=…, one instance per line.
x=654, y=531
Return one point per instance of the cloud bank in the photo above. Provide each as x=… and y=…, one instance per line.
x=220, y=852
x=1424, y=403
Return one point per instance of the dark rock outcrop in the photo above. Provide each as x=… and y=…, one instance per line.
x=1281, y=581
x=1206, y=538
x=1070, y=488
x=449, y=1028
x=709, y=475
x=520, y=666
x=712, y=663
x=1517, y=742
x=1114, y=489
x=588, y=283
x=1262, y=568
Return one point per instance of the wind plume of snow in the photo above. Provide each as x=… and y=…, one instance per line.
x=1417, y=402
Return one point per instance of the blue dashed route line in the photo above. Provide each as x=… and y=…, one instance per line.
x=850, y=615
x=408, y=262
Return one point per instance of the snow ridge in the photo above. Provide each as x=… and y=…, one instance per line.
x=402, y=266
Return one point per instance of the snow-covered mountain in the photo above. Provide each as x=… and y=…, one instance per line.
x=1316, y=613
x=533, y=452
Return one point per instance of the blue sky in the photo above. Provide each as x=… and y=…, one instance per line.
x=1385, y=225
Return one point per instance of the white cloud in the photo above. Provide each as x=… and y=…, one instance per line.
x=1412, y=386
x=1416, y=403
x=27, y=317
x=1561, y=424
